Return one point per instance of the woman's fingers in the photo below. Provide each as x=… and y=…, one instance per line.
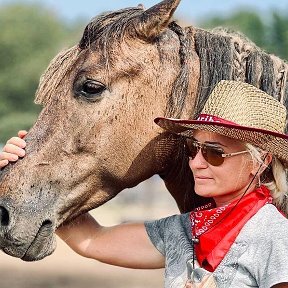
x=12, y=151
x=3, y=163
x=22, y=133
x=8, y=156
x=5, y=158
x=14, y=141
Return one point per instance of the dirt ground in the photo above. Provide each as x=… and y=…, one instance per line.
x=66, y=269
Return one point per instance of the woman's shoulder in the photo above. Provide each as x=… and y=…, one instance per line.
x=269, y=214
x=268, y=221
x=167, y=232
x=172, y=225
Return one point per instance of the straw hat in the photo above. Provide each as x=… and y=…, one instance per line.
x=241, y=111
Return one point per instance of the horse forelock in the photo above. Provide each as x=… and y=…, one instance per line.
x=226, y=54
x=108, y=28
x=58, y=68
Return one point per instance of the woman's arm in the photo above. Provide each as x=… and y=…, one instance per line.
x=125, y=245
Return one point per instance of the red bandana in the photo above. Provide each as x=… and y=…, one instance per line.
x=216, y=240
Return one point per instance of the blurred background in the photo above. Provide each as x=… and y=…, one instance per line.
x=31, y=34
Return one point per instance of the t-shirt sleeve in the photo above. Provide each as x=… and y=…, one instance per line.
x=155, y=230
x=165, y=232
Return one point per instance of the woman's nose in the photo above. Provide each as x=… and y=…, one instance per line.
x=198, y=161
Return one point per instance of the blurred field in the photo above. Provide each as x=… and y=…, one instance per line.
x=65, y=269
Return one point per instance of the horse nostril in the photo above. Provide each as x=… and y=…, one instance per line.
x=47, y=223
x=4, y=216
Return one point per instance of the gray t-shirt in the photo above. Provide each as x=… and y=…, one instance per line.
x=257, y=258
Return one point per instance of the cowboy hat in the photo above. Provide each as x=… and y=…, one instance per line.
x=240, y=111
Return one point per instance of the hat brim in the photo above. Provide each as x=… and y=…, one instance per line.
x=270, y=141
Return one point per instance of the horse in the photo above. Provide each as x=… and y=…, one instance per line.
x=95, y=135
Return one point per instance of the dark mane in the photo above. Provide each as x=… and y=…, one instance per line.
x=225, y=54
x=178, y=96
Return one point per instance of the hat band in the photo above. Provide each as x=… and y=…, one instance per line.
x=212, y=118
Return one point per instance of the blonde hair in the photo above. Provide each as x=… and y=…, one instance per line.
x=274, y=177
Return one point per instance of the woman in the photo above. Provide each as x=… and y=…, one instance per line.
x=238, y=156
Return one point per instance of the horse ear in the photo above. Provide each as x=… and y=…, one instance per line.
x=152, y=21
x=141, y=6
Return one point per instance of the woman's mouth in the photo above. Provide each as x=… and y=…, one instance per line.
x=202, y=178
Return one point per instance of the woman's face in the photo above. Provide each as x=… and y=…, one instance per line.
x=228, y=181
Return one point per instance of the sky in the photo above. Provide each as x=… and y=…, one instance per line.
x=191, y=10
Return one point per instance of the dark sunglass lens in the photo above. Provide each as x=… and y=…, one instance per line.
x=193, y=148
x=213, y=155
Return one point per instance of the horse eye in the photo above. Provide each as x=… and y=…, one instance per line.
x=92, y=87
x=89, y=89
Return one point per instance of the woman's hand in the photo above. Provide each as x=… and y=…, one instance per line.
x=13, y=149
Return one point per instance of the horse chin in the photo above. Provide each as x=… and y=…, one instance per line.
x=42, y=245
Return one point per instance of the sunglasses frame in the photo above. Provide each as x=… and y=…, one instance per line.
x=199, y=146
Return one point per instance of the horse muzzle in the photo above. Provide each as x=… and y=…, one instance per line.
x=35, y=245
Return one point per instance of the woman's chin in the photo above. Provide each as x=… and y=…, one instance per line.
x=204, y=191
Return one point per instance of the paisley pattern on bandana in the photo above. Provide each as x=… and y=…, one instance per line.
x=206, y=219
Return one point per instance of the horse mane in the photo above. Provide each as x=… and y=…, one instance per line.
x=229, y=55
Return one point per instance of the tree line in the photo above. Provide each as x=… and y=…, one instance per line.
x=31, y=35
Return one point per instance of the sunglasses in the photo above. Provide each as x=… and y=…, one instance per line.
x=213, y=154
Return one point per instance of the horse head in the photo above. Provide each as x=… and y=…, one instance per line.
x=95, y=135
